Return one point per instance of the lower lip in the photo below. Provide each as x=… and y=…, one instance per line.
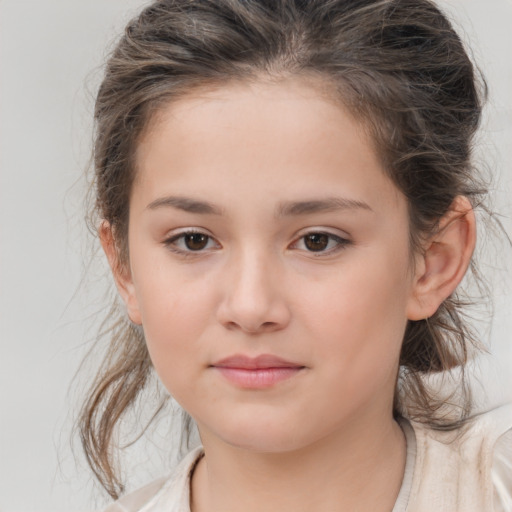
x=259, y=378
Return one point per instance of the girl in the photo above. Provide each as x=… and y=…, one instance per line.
x=285, y=196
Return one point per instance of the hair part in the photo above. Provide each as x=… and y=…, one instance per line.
x=397, y=65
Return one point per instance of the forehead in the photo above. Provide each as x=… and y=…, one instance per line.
x=248, y=104
x=255, y=89
x=291, y=133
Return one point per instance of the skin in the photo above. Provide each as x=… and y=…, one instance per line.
x=323, y=439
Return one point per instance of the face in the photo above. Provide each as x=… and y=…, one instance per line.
x=269, y=265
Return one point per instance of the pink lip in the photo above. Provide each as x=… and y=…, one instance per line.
x=259, y=372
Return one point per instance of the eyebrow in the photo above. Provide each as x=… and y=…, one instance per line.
x=320, y=205
x=284, y=209
x=186, y=204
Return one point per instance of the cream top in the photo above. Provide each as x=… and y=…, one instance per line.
x=459, y=471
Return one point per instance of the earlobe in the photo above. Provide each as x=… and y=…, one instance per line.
x=445, y=260
x=122, y=274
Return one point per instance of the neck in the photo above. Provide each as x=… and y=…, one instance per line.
x=358, y=469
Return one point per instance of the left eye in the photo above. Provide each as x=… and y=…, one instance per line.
x=321, y=242
x=190, y=241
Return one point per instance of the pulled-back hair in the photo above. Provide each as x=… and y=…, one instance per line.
x=396, y=65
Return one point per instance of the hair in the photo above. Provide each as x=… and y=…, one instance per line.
x=397, y=65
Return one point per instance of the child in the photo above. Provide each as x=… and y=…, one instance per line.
x=285, y=193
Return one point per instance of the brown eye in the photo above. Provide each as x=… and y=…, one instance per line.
x=195, y=241
x=316, y=241
x=189, y=242
x=320, y=243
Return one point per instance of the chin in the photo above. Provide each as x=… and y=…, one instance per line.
x=261, y=436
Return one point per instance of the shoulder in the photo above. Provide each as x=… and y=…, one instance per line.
x=167, y=494
x=469, y=469
x=502, y=465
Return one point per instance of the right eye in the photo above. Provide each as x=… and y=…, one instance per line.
x=189, y=242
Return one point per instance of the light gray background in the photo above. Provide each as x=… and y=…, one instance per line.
x=49, y=54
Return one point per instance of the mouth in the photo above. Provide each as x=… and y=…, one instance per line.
x=259, y=372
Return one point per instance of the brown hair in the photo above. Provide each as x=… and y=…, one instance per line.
x=396, y=64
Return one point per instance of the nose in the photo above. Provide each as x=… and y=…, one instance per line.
x=254, y=298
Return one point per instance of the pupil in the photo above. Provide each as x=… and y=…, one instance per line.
x=196, y=241
x=317, y=241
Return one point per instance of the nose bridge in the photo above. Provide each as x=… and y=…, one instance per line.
x=251, y=269
x=254, y=298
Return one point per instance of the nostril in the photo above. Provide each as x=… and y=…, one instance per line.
x=231, y=326
x=250, y=329
x=249, y=306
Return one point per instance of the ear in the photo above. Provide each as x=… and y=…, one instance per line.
x=121, y=272
x=445, y=260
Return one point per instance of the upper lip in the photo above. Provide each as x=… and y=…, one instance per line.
x=262, y=361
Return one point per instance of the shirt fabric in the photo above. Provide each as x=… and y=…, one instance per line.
x=466, y=470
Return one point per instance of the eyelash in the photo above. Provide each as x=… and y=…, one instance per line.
x=341, y=243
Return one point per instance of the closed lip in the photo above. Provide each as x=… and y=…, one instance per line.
x=261, y=362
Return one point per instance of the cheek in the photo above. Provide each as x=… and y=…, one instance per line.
x=360, y=318
x=175, y=313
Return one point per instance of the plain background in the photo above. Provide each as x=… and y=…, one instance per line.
x=50, y=53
